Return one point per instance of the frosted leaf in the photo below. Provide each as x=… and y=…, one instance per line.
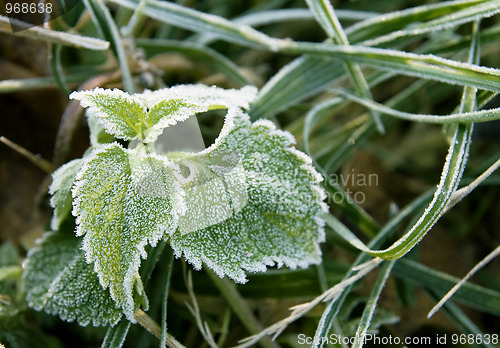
x=59, y=281
x=60, y=189
x=279, y=224
x=171, y=105
x=145, y=115
x=98, y=134
x=123, y=200
x=119, y=113
x=215, y=189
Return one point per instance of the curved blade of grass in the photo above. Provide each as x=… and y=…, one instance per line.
x=466, y=117
x=204, y=54
x=457, y=286
x=325, y=15
x=371, y=304
x=424, y=66
x=53, y=36
x=200, y=22
x=330, y=313
x=450, y=178
x=110, y=30
x=386, y=23
x=57, y=70
x=450, y=20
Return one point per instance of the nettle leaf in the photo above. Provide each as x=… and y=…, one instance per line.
x=58, y=280
x=119, y=113
x=145, y=115
x=270, y=199
x=98, y=134
x=60, y=189
x=123, y=200
x=171, y=105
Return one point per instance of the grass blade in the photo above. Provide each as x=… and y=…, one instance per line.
x=371, y=304
x=452, y=172
x=424, y=66
x=201, y=53
x=460, y=319
x=449, y=20
x=200, y=22
x=111, y=31
x=57, y=37
x=466, y=117
x=115, y=336
x=453, y=290
x=326, y=17
x=386, y=23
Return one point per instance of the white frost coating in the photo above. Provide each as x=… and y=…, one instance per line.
x=146, y=115
x=117, y=111
x=280, y=225
x=198, y=98
x=58, y=281
x=124, y=200
x=60, y=189
x=201, y=95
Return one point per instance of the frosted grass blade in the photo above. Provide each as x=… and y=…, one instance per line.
x=386, y=23
x=325, y=15
x=466, y=117
x=200, y=22
x=53, y=36
x=453, y=19
x=371, y=304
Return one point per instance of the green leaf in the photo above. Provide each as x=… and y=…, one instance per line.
x=58, y=280
x=277, y=223
x=60, y=189
x=171, y=105
x=119, y=113
x=123, y=200
x=144, y=116
x=98, y=134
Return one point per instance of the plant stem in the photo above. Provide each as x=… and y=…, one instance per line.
x=152, y=326
x=41, y=163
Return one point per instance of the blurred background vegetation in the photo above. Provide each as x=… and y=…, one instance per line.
x=407, y=160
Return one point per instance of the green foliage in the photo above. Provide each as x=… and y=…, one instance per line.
x=370, y=86
x=249, y=201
